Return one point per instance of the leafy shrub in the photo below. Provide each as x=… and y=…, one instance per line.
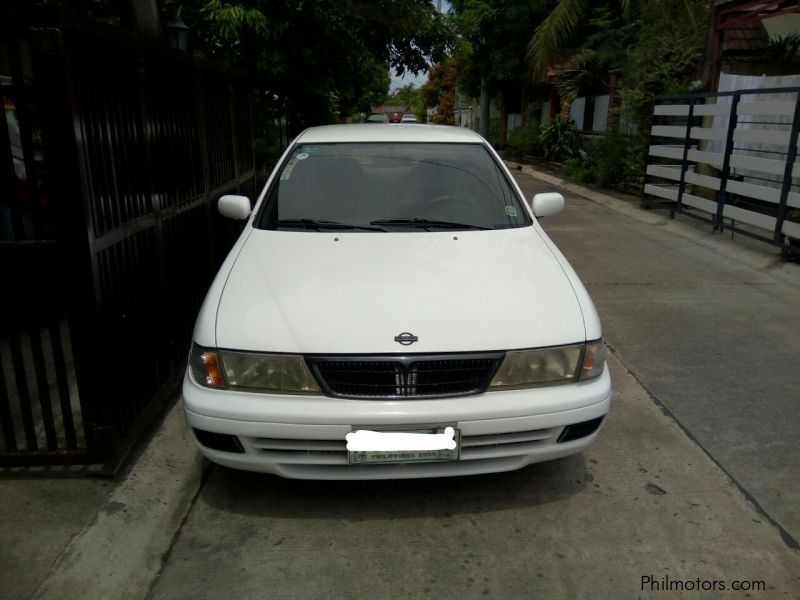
x=523, y=141
x=613, y=161
x=559, y=140
x=579, y=169
x=635, y=162
x=612, y=156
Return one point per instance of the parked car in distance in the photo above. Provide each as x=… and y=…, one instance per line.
x=409, y=118
x=394, y=309
x=395, y=117
x=377, y=118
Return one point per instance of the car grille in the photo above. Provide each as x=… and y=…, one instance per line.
x=414, y=376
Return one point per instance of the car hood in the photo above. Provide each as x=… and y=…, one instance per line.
x=348, y=292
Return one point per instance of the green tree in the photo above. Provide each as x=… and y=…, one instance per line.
x=665, y=56
x=568, y=20
x=362, y=88
x=490, y=50
x=653, y=52
x=440, y=92
x=318, y=60
x=619, y=45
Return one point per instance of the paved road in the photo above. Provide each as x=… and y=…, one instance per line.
x=715, y=341
x=707, y=336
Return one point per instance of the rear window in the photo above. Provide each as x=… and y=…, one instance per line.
x=365, y=184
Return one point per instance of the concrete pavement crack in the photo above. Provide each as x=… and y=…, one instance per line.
x=166, y=556
x=787, y=538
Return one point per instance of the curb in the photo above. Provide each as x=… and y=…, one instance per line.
x=120, y=552
x=761, y=261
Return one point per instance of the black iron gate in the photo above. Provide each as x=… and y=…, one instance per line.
x=113, y=151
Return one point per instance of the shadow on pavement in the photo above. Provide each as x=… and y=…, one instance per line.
x=262, y=495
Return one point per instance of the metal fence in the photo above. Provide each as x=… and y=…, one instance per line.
x=113, y=152
x=730, y=158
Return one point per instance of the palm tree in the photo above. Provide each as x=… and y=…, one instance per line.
x=556, y=30
x=564, y=21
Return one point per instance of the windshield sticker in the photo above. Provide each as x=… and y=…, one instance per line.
x=511, y=211
x=302, y=156
x=287, y=172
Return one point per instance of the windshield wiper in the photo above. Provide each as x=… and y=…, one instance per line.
x=321, y=224
x=425, y=223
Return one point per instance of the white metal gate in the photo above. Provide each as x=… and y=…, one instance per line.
x=729, y=158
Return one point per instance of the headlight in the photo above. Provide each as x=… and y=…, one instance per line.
x=276, y=373
x=271, y=372
x=550, y=366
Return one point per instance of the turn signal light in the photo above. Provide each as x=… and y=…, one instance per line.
x=213, y=375
x=205, y=367
x=594, y=360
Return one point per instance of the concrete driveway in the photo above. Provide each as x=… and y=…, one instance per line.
x=651, y=507
x=713, y=340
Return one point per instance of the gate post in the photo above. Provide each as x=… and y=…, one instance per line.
x=645, y=202
x=791, y=155
x=724, y=174
x=684, y=161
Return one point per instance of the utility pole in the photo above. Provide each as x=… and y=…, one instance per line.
x=484, y=125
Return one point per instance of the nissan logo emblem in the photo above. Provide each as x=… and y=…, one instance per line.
x=405, y=338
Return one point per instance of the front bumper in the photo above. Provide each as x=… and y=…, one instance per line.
x=304, y=436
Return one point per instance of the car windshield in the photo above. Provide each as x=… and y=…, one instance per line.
x=391, y=187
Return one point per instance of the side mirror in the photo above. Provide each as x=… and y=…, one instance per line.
x=547, y=204
x=234, y=207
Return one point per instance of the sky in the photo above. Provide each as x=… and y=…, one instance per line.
x=398, y=82
x=419, y=80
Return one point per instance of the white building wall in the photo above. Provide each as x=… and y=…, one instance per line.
x=600, y=113
x=576, y=111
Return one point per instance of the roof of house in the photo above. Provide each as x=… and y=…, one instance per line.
x=750, y=35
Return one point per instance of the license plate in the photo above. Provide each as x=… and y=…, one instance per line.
x=380, y=445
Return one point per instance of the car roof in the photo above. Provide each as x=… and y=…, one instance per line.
x=396, y=133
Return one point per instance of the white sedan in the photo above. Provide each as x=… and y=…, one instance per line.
x=393, y=309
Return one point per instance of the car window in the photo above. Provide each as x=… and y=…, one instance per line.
x=365, y=183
